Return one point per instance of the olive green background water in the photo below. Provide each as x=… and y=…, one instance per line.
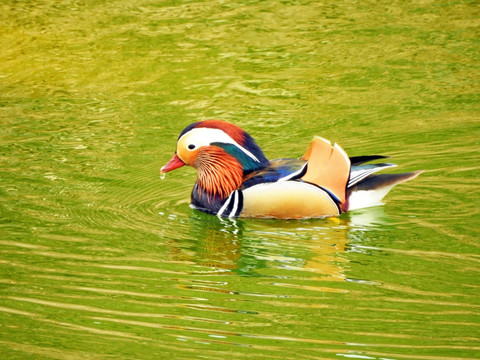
x=100, y=259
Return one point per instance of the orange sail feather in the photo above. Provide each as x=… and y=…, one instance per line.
x=328, y=167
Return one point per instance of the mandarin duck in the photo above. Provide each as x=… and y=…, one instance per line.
x=235, y=179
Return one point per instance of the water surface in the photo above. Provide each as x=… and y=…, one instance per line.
x=102, y=259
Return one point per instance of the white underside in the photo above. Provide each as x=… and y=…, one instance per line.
x=367, y=198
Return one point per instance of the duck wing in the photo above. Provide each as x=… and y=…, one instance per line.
x=279, y=191
x=278, y=170
x=360, y=172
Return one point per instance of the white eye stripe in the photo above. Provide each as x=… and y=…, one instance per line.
x=206, y=136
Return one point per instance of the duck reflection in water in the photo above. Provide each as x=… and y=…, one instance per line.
x=253, y=247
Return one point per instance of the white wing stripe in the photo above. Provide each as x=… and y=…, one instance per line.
x=292, y=175
x=358, y=175
x=235, y=205
x=225, y=205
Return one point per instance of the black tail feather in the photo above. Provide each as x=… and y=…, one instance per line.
x=380, y=181
x=358, y=160
x=371, y=190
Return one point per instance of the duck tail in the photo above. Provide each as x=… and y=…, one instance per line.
x=371, y=190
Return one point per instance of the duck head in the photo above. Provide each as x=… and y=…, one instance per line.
x=222, y=153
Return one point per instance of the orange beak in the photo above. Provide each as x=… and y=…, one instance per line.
x=173, y=164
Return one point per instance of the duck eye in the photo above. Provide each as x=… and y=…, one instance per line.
x=191, y=146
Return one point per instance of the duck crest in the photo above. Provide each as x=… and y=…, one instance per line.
x=231, y=130
x=251, y=157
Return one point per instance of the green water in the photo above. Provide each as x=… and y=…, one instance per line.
x=100, y=259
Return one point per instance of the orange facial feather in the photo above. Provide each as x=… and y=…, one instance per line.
x=219, y=173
